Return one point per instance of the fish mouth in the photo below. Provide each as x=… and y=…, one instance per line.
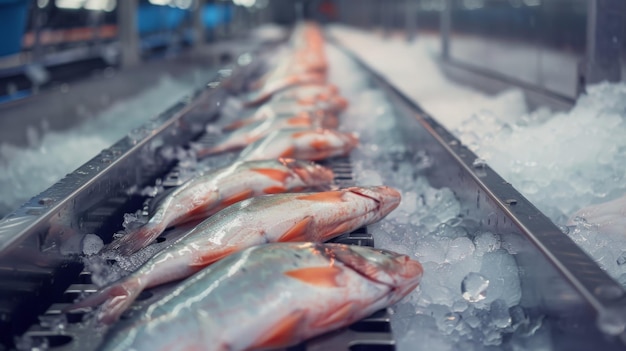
x=400, y=273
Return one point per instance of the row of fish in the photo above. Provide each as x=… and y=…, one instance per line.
x=259, y=273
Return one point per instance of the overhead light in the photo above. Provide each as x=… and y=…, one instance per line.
x=100, y=5
x=69, y=4
x=159, y=2
x=183, y=4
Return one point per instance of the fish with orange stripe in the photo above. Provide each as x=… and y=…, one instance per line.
x=205, y=195
x=304, y=144
x=246, y=135
x=271, y=296
x=267, y=91
x=314, y=217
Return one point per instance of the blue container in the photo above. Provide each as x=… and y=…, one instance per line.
x=13, y=15
x=153, y=18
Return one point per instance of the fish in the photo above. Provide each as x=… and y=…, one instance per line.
x=288, y=108
x=271, y=296
x=205, y=195
x=305, y=144
x=608, y=217
x=244, y=136
x=268, y=90
x=299, y=217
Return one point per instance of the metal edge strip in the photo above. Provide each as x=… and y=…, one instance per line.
x=42, y=207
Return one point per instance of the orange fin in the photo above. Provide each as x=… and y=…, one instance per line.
x=282, y=333
x=276, y=174
x=326, y=196
x=344, y=227
x=337, y=315
x=319, y=145
x=299, y=121
x=275, y=190
x=212, y=256
x=298, y=231
x=289, y=152
x=303, y=133
x=236, y=198
x=319, y=276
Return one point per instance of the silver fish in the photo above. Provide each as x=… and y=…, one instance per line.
x=315, y=217
x=271, y=296
x=246, y=135
x=304, y=144
x=205, y=195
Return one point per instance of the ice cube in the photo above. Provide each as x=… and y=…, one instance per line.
x=474, y=287
x=92, y=244
x=499, y=313
x=458, y=249
x=486, y=242
x=500, y=269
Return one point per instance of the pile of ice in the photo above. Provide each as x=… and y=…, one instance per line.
x=470, y=293
x=28, y=171
x=561, y=162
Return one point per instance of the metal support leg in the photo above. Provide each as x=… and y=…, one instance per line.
x=129, y=37
x=605, y=21
x=446, y=24
x=410, y=19
x=198, y=24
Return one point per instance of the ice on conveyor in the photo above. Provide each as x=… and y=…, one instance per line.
x=561, y=161
x=458, y=259
x=28, y=171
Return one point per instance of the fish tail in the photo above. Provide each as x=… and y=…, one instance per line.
x=236, y=125
x=116, y=299
x=208, y=151
x=138, y=239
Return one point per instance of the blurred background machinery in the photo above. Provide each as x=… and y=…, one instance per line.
x=47, y=41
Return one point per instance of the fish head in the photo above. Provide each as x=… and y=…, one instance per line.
x=351, y=140
x=310, y=173
x=387, y=198
x=398, y=271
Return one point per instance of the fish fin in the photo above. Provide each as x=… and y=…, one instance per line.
x=319, y=145
x=282, y=333
x=302, y=133
x=208, y=151
x=318, y=276
x=236, y=198
x=275, y=174
x=212, y=256
x=344, y=227
x=289, y=152
x=138, y=239
x=299, y=121
x=337, y=315
x=298, y=231
x=275, y=190
x=117, y=298
x=326, y=196
x=237, y=124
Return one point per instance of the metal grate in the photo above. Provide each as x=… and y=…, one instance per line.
x=63, y=332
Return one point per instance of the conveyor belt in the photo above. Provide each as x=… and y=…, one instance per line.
x=558, y=279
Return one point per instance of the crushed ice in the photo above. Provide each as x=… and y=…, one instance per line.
x=560, y=161
x=428, y=226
